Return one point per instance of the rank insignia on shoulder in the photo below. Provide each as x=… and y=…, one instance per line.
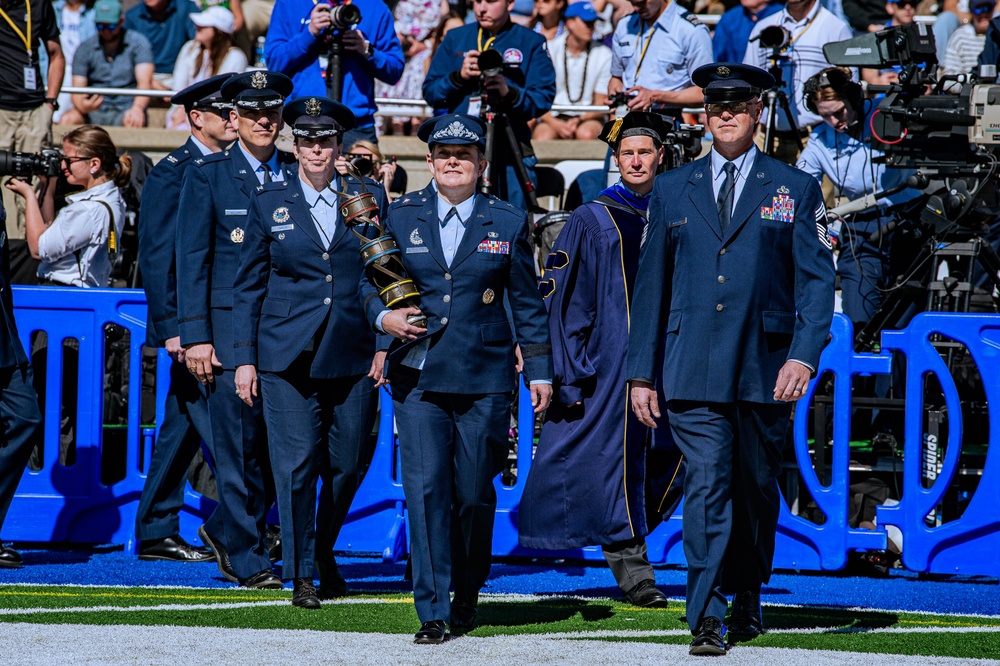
x=236, y=235
x=692, y=19
x=782, y=190
x=415, y=238
x=492, y=234
x=488, y=296
x=280, y=215
x=260, y=188
x=171, y=159
x=199, y=161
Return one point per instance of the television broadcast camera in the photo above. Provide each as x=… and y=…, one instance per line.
x=25, y=165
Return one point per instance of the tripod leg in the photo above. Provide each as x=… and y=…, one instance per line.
x=522, y=171
x=487, y=184
x=783, y=99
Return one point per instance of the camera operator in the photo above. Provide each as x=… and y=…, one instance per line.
x=76, y=246
x=368, y=159
x=26, y=104
x=841, y=150
x=298, y=40
x=810, y=27
x=654, y=52
x=521, y=90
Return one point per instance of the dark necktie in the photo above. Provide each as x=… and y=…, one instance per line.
x=267, y=173
x=726, y=196
x=451, y=213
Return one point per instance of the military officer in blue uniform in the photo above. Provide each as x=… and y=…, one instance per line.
x=22, y=419
x=735, y=295
x=300, y=322
x=452, y=381
x=523, y=90
x=215, y=197
x=185, y=419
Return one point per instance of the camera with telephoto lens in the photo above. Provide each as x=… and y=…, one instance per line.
x=363, y=164
x=775, y=37
x=342, y=17
x=25, y=165
x=490, y=62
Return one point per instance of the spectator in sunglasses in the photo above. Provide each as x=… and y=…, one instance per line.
x=114, y=58
x=968, y=41
x=901, y=12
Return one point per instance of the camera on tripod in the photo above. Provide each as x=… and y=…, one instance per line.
x=775, y=37
x=25, y=165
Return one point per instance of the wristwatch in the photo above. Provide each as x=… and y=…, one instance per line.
x=53, y=102
x=369, y=49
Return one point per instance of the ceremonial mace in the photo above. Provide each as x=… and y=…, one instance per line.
x=382, y=254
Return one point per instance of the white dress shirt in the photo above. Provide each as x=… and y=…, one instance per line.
x=324, y=207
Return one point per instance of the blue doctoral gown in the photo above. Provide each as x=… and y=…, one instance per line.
x=586, y=484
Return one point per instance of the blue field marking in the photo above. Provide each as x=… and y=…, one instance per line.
x=900, y=591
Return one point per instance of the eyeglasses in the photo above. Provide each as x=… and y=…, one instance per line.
x=106, y=26
x=985, y=10
x=69, y=161
x=735, y=108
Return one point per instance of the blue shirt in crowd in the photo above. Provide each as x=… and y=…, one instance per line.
x=166, y=36
x=732, y=33
x=292, y=50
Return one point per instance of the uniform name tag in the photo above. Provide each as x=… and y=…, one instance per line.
x=416, y=250
x=282, y=227
x=494, y=247
x=677, y=223
x=236, y=211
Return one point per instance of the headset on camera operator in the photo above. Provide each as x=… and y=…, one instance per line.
x=300, y=40
x=76, y=247
x=840, y=149
x=495, y=66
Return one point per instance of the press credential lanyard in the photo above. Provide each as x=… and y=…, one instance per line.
x=30, y=81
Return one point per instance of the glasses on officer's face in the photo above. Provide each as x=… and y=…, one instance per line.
x=735, y=108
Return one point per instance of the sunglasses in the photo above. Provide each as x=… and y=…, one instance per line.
x=982, y=11
x=106, y=26
x=735, y=108
x=69, y=161
x=906, y=4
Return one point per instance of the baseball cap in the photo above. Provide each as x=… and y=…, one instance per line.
x=216, y=17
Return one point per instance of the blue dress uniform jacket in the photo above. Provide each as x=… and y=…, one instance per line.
x=293, y=293
x=157, y=234
x=471, y=341
x=528, y=68
x=731, y=309
x=215, y=199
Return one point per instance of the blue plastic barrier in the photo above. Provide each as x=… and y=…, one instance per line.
x=71, y=504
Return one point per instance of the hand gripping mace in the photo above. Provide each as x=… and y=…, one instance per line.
x=381, y=256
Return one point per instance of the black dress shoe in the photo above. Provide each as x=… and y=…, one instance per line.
x=174, y=548
x=745, y=622
x=262, y=580
x=709, y=639
x=431, y=633
x=272, y=539
x=304, y=594
x=221, y=556
x=463, y=616
x=10, y=558
x=331, y=582
x=646, y=595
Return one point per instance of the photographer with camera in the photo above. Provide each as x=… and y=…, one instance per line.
x=654, y=52
x=76, y=247
x=307, y=39
x=841, y=150
x=368, y=160
x=807, y=26
x=496, y=68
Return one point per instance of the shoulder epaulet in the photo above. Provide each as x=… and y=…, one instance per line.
x=273, y=186
x=692, y=19
x=406, y=200
x=500, y=204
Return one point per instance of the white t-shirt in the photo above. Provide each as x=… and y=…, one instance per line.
x=587, y=73
x=74, y=249
x=187, y=70
x=69, y=39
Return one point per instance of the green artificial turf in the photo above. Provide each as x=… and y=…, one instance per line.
x=791, y=627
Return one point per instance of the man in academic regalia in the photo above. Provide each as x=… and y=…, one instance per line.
x=592, y=480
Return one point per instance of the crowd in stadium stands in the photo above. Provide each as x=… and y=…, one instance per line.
x=245, y=69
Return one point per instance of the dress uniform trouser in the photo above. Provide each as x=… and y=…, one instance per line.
x=21, y=427
x=243, y=475
x=315, y=426
x=451, y=447
x=185, y=424
x=731, y=497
